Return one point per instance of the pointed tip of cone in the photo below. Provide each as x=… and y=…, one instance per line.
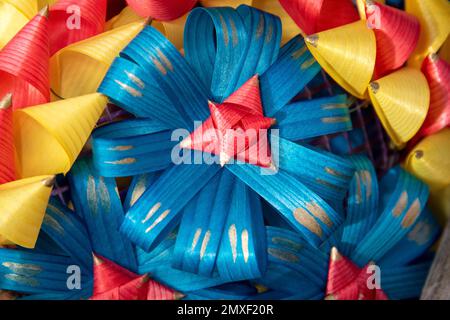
x=330, y=297
x=335, y=255
x=273, y=121
x=433, y=57
x=6, y=102
x=49, y=182
x=224, y=158
x=369, y=3
x=374, y=86
x=97, y=260
x=178, y=295
x=44, y=11
x=312, y=40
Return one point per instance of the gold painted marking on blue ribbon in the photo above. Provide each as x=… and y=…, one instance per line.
x=327, y=184
x=367, y=178
x=197, y=234
x=137, y=81
x=232, y=235
x=163, y=58
x=306, y=220
x=121, y=148
x=318, y=212
x=335, y=119
x=27, y=270
x=283, y=255
x=105, y=200
x=205, y=243
x=334, y=106
x=224, y=30
x=420, y=234
x=91, y=195
x=58, y=212
x=158, y=220
x=130, y=90
x=152, y=211
x=260, y=27
x=234, y=36
x=50, y=221
x=412, y=214
x=244, y=240
x=269, y=34
x=400, y=205
x=308, y=63
x=138, y=190
x=299, y=52
x=335, y=173
x=122, y=161
x=22, y=279
x=358, y=195
x=287, y=242
x=159, y=66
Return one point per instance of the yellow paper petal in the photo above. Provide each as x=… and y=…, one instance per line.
x=126, y=16
x=401, y=100
x=290, y=28
x=28, y=7
x=78, y=69
x=12, y=19
x=434, y=18
x=43, y=3
x=23, y=205
x=49, y=137
x=430, y=160
x=225, y=3
x=347, y=54
x=172, y=30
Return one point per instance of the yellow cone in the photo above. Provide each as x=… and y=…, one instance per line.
x=430, y=160
x=347, y=54
x=14, y=14
x=126, y=16
x=23, y=205
x=226, y=3
x=172, y=30
x=401, y=100
x=79, y=68
x=434, y=18
x=49, y=137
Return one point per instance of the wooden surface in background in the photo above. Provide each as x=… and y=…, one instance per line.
x=437, y=286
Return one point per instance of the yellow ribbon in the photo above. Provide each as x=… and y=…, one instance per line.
x=14, y=14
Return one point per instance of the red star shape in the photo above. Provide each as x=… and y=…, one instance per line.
x=112, y=282
x=236, y=128
x=348, y=282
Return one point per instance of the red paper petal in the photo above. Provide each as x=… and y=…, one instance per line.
x=7, y=166
x=64, y=14
x=24, y=64
x=313, y=16
x=437, y=72
x=397, y=33
x=247, y=96
x=161, y=9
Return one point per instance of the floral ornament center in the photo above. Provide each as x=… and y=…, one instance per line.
x=346, y=281
x=236, y=128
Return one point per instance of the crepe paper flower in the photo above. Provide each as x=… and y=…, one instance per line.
x=49, y=125
x=437, y=72
x=401, y=118
x=7, y=164
x=386, y=225
x=160, y=9
x=23, y=206
x=429, y=160
x=112, y=282
x=75, y=21
x=79, y=68
x=433, y=17
x=14, y=15
x=316, y=16
x=24, y=67
x=396, y=32
x=152, y=80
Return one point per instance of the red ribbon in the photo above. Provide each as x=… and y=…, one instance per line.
x=161, y=9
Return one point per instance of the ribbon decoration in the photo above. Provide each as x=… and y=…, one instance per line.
x=71, y=21
x=149, y=72
x=24, y=64
x=160, y=9
x=408, y=231
x=14, y=15
x=79, y=68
